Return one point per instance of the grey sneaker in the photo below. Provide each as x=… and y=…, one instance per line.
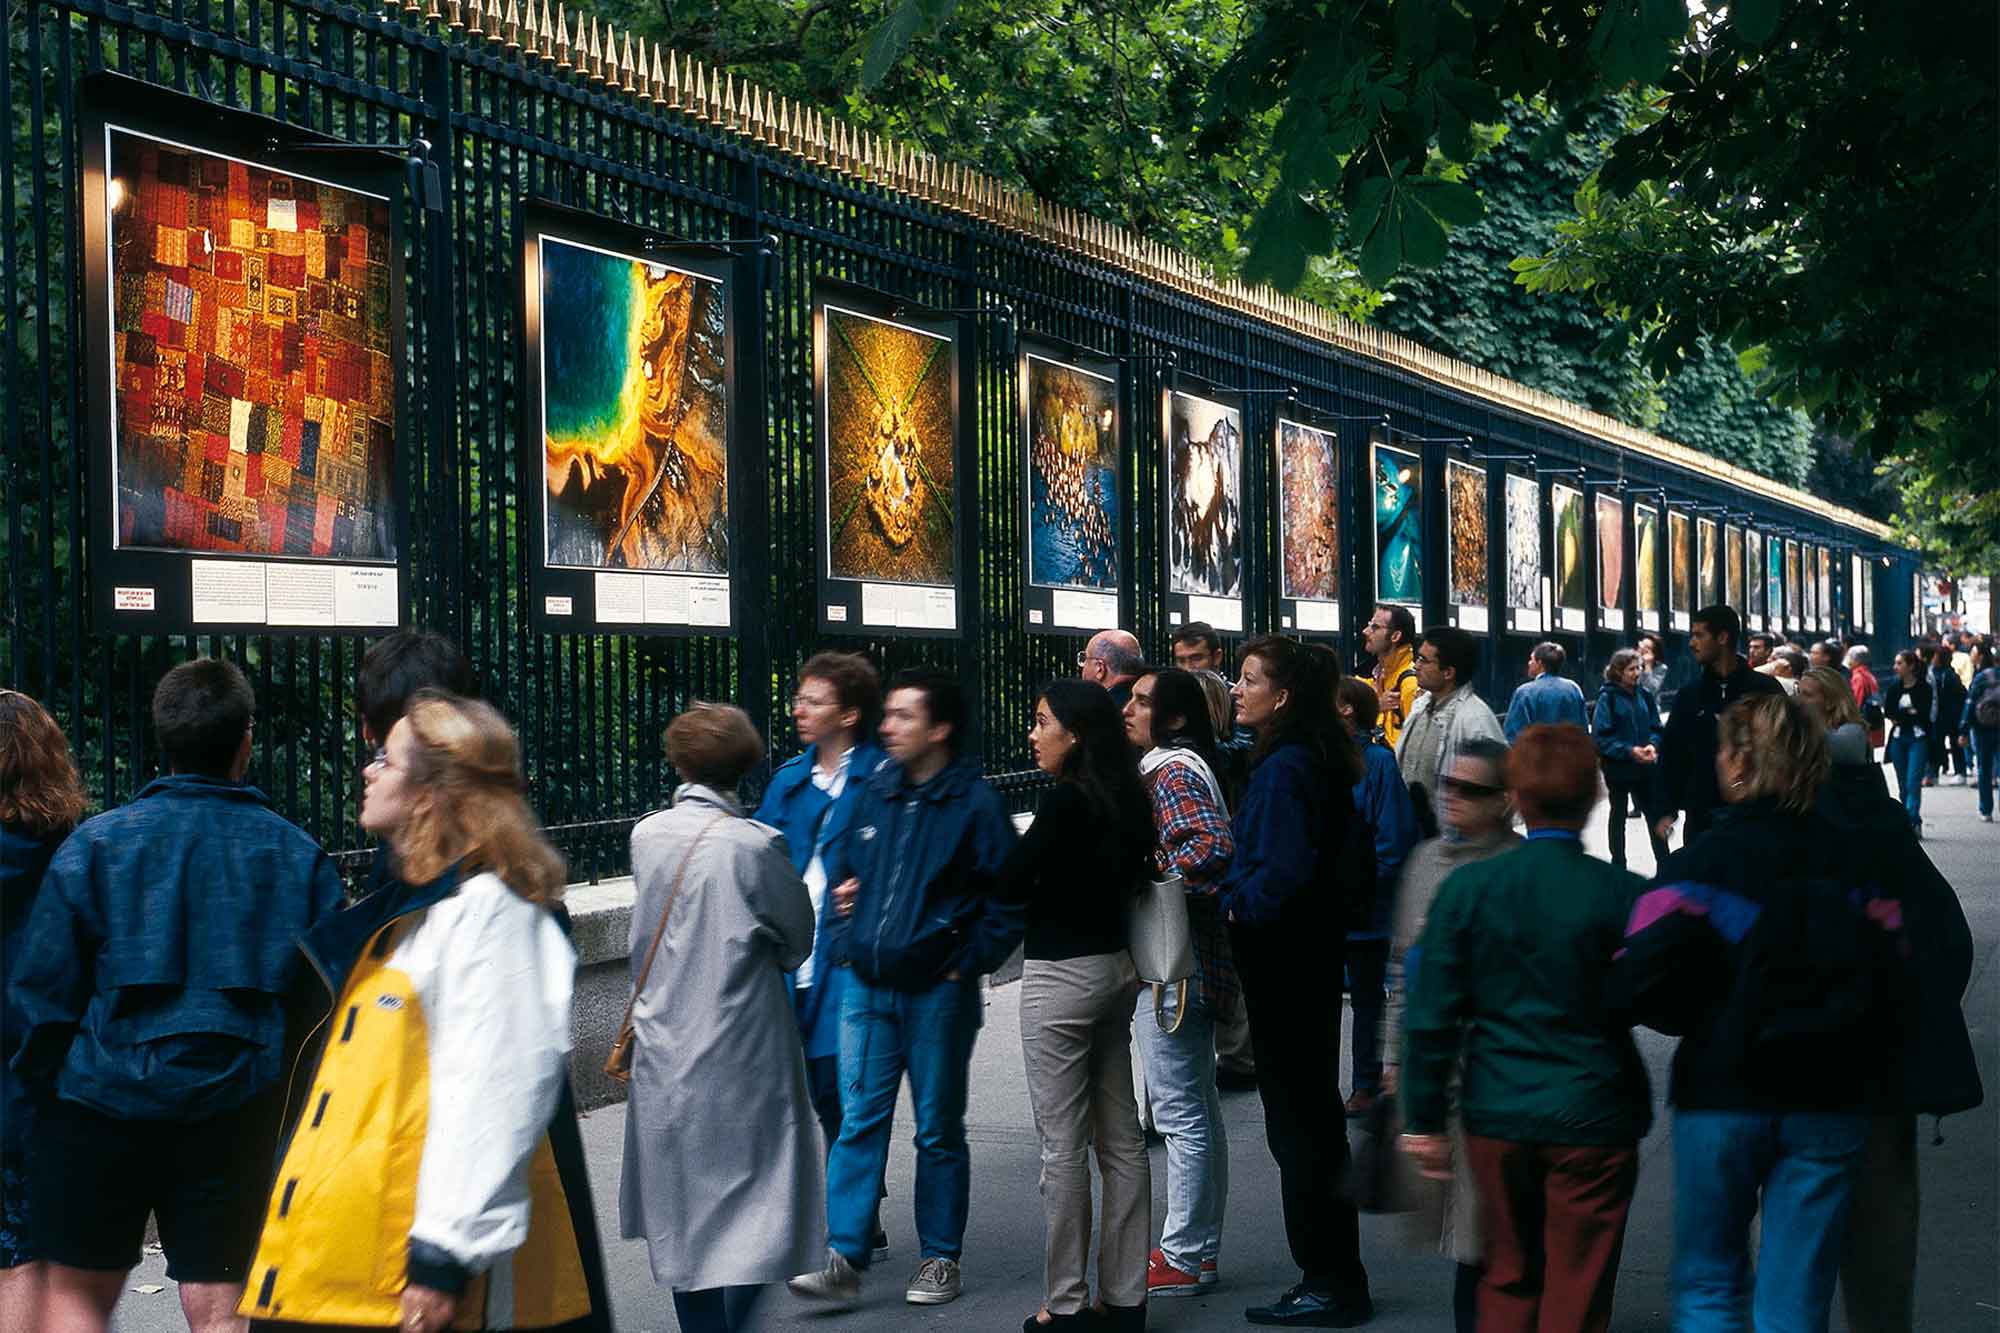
x=934, y=1283
x=837, y=1284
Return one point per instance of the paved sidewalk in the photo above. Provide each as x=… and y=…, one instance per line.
x=1959, y=1284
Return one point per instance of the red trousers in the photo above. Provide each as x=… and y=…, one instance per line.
x=1554, y=1225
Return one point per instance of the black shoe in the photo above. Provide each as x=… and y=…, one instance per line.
x=1309, y=1307
x=1235, y=1080
x=1121, y=1318
x=878, y=1246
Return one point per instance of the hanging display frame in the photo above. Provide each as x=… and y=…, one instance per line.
x=1567, y=546
x=1468, y=545
x=1309, y=562
x=266, y=467
x=1527, y=590
x=1397, y=504
x=1648, y=565
x=883, y=477
x=670, y=561
x=1708, y=562
x=1201, y=502
x=1755, y=583
x=1063, y=513
x=1608, y=512
x=1681, y=569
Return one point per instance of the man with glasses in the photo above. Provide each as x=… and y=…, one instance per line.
x=1112, y=659
x=811, y=800
x=1389, y=637
x=1447, y=716
x=156, y=977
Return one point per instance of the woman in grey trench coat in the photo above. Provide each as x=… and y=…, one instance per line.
x=722, y=1174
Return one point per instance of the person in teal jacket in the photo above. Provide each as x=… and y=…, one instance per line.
x=1507, y=983
x=811, y=800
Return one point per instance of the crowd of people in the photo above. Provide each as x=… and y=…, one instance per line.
x=355, y=1111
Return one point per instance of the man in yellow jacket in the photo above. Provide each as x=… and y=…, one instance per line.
x=1389, y=637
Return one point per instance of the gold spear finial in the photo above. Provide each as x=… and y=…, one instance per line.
x=698, y=90
x=473, y=16
x=545, y=36
x=512, y=28
x=673, y=82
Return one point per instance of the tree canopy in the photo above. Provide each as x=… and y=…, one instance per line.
x=1808, y=188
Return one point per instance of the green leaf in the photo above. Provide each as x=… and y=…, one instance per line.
x=1753, y=21
x=1382, y=252
x=1450, y=202
x=1422, y=235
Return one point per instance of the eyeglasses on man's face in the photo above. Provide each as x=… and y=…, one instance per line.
x=1471, y=790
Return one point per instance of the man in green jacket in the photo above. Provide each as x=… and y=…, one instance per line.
x=1508, y=978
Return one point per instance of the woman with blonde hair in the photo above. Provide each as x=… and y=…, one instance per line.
x=1770, y=947
x=419, y=1188
x=1828, y=697
x=723, y=1175
x=41, y=800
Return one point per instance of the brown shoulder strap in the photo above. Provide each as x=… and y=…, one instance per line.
x=659, y=931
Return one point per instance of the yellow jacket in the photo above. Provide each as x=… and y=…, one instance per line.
x=421, y=1151
x=1395, y=682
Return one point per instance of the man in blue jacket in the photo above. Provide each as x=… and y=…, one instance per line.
x=154, y=984
x=920, y=926
x=1547, y=695
x=811, y=800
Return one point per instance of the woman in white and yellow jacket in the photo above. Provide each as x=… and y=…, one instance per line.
x=418, y=1188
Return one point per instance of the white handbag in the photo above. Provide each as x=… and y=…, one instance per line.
x=1161, y=946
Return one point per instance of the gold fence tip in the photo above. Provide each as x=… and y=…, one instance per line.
x=511, y=26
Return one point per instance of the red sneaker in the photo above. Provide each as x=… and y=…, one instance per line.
x=1163, y=1279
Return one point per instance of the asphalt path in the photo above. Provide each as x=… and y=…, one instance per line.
x=1959, y=1265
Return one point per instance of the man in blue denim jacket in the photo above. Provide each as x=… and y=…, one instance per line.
x=919, y=927
x=153, y=984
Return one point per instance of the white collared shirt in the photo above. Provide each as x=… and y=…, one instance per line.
x=833, y=784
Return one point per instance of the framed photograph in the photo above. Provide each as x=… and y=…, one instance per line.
x=243, y=317
x=627, y=378
x=1774, y=582
x=1823, y=561
x=1755, y=602
x=1856, y=575
x=1072, y=443
x=1202, y=522
x=1646, y=565
x=1708, y=550
x=1398, y=479
x=1308, y=472
x=1566, y=513
x=891, y=488
x=1796, y=612
x=1733, y=567
x=1524, y=555
x=1916, y=605
x=1465, y=544
x=1680, y=584
x=1809, y=573
x=1609, y=525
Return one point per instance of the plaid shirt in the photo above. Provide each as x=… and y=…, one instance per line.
x=1196, y=844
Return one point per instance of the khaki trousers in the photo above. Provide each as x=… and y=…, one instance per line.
x=1076, y=1035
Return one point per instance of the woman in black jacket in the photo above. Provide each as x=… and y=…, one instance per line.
x=1289, y=894
x=1906, y=704
x=1626, y=727
x=1083, y=859
x=1771, y=949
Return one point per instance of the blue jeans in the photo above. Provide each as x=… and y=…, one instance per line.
x=1804, y=1166
x=1910, y=756
x=885, y=1033
x=1187, y=1110
x=1986, y=750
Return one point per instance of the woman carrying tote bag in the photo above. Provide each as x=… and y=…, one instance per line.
x=1168, y=721
x=723, y=1176
x=1077, y=870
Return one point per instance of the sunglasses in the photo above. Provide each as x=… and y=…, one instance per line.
x=1460, y=787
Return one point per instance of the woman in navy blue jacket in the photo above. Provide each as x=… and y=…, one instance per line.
x=1285, y=896
x=811, y=800
x=1626, y=727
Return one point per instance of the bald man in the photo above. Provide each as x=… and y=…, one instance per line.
x=1112, y=659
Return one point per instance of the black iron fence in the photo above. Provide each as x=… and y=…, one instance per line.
x=511, y=111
